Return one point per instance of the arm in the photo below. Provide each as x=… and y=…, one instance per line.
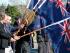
x=3, y=33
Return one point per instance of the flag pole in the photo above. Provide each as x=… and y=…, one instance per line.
x=45, y=27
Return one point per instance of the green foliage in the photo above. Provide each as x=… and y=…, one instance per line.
x=12, y=11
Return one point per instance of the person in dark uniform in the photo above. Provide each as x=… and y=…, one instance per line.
x=5, y=35
x=22, y=45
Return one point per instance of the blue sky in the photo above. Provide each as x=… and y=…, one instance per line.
x=11, y=2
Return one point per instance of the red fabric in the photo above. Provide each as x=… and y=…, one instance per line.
x=67, y=31
x=60, y=3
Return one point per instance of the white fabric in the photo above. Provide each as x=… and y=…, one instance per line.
x=34, y=36
x=9, y=50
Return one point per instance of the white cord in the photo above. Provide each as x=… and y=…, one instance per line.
x=36, y=4
x=42, y=4
x=28, y=4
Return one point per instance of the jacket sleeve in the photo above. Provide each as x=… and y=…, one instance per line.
x=3, y=33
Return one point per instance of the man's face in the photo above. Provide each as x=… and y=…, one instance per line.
x=7, y=19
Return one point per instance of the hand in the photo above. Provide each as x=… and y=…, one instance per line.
x=13, y=40
x=16, y=37
x=22, y=25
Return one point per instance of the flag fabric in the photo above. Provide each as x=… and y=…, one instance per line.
x=54, y=11
x=67, y=29
x=66, y=34
x=55, y=31
x=68, y=6
x=61, y=5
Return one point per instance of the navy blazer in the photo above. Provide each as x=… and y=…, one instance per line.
x=4, y=37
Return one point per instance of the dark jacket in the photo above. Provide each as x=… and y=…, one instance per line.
x=4, y=37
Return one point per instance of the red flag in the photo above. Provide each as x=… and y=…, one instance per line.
x=61, y=5
x=67, y=29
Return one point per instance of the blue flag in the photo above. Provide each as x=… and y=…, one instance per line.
x=54, y=16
